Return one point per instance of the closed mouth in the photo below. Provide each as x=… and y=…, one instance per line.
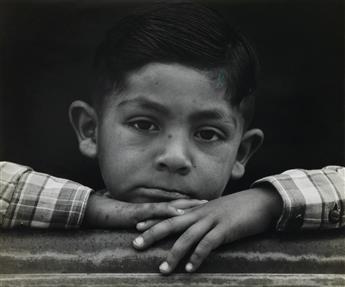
x=161, y=193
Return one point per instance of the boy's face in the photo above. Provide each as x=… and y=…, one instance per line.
x=169, y=134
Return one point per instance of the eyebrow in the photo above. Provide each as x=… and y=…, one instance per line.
x=212, y=114
x=207, y=114
x=146, y=104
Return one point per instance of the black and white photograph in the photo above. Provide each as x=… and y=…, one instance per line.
x=172, y=143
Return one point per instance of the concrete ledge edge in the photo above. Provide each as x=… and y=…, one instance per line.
x=179, y=279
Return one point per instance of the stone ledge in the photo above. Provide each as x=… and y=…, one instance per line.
x=102, y=251
x=176, y=280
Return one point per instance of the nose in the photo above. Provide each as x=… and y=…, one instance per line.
x=175, y=157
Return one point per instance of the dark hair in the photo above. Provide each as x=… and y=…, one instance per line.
x=184, y=33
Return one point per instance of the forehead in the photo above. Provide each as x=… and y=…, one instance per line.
x=171, y=77
x=177, y=87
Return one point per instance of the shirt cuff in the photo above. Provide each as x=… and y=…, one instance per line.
x=44, y=201
x=10, y=174
x=312, y=199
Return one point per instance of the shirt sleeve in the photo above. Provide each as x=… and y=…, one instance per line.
x=38, y=200
x=312, y=199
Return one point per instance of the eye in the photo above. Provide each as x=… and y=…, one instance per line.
x=144, y=125
x=209, y=135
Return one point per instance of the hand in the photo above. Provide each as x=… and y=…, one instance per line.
x=103, y=211
x=207, y=226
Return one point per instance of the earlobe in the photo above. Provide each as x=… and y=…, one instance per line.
x=84, y=121
x=250, y=143
x=237, y=170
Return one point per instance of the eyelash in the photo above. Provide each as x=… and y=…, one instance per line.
x=214, y=132
x=149, y=126
x=137, y=122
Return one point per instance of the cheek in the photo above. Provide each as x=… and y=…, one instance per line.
x=216, y=182
x=111, y=162
x=122, y=158
x=215, y=173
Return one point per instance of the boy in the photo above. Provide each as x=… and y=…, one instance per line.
x=170, y=126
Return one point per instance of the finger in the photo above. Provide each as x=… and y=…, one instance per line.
x=183, y=204
x=211, y=241
x=156, y=210
x=163, y=229
x=186, y=203
x=144, y=225
x=185, y=243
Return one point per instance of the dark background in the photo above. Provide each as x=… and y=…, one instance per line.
x=46, y=50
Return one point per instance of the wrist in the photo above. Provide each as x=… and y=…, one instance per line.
x=270, y=203
x=91, y=206
x=272, y=200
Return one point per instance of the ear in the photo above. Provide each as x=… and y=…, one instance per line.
x=83, y=118
x=250, y=143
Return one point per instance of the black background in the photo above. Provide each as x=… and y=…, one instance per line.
x=46, y=50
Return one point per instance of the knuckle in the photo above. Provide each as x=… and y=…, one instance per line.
x=151, y=233
x=148, y=206
x=174, y=254
x=136, y=214
x=198, y=255
x=176, y=202
x=154, y=209
x=160, y=209
x=202, y=250
x=186, y=237
x=166, y=206
x=151, y=223
x=205, y=244
x=170, y=223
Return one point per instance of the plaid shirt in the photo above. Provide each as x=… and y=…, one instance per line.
x=311, y=199
x=29, y=198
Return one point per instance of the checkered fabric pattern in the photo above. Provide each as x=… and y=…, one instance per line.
x=33, y=199
x=312, y=199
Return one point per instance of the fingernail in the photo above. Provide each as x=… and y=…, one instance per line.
x=139, y=241
x=204, y=201
x=141, y=225
x=189, y=267
x=164, y=267
x=180, y=211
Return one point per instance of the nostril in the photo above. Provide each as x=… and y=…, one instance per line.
x=173, y=166
x=183, y=170
x=162, y=166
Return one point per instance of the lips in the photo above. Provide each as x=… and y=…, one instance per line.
x=159, y=193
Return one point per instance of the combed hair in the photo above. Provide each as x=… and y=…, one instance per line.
x=185, y=33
